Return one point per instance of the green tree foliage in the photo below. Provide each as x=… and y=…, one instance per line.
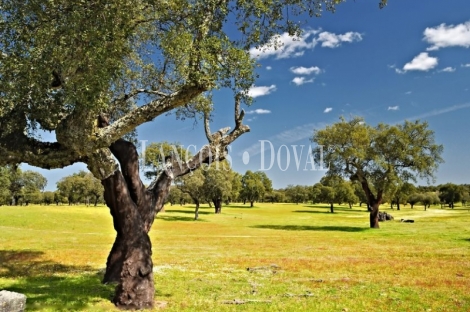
x=450, y=194
x=80, y=187
x=428, y=199
x=192, y=184
x=254, y=186
x=155, y=154
x=217, y=187
x=343, y=191
x=414, y=198
x=400, y=193
x=296, y=193
x=48, y=197
x=4, y=185
x=378, y=157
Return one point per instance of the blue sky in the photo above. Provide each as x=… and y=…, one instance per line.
x=410, y=61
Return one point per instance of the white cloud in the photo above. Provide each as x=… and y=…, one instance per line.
x=466, y=65
x=259, y=111
x=260, y=91
x=285, y=46
x=448, y=70
x=327, y=110
x=305, y=70
x=444, y=36
x=422, y=62
x=408, y=92
x=330, y=40
x=301, y=80
x=268, y=68
x=394, y=108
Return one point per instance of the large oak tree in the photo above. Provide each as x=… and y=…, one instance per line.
x=93, y=71
x=378, y=157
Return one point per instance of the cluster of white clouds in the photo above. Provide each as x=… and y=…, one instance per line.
x=442, y=36
x=304, y=71
x=286, y=46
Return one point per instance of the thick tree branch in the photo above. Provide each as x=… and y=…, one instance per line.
x=145, y=113
x=19, y=148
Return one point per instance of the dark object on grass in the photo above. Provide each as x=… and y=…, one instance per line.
x=407, y=220
x=383, y=216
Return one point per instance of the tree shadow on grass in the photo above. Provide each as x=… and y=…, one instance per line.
x=310, y=228
x=313, y=211
x=188, y=211
x=179, y=218
x=51, y=285
x=247, y=206
x=345, y=209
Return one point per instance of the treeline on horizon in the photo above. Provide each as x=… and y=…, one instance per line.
x=217, y=186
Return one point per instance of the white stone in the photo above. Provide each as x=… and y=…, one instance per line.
x=12, y=301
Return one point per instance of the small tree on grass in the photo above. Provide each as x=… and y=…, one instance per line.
x=378, y=157
x=450, y=194
x=415, y=198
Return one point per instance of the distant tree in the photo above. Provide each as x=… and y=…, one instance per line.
x=345, y=194
x=253, y=187
x=465, y=194
x=276, y=196
x=414, y=198
x=359, y=192
x=450, y=194
x=343, y=191
x=428, y=199
x=156, y=153
x=4, y=185
x=401, y=192
x=218, y=183
x=16, y=184
x=236, y=186
x=379, y=156
x=94, y=189
x=296, y=193
x=58, y=198
x=192, y=184
x=48, y=197
x=328, y=195
x=175, y=196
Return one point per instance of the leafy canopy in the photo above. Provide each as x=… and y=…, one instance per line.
x=64, y=62
x=379, y=156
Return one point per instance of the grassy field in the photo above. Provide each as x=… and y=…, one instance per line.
x=273, y=257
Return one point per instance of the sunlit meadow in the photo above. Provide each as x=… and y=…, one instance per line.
x=273, y=257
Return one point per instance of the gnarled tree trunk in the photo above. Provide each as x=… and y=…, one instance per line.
x=134, y=207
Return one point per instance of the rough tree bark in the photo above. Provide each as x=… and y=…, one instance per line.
x=373, y=202
x=332, y=210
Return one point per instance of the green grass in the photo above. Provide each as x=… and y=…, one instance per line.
x=275, y=257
